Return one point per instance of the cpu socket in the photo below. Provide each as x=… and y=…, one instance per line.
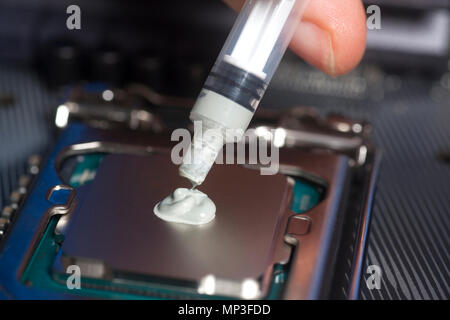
x=281, y=236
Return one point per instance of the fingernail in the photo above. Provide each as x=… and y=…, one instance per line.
x=315, y=45
x=330, y=63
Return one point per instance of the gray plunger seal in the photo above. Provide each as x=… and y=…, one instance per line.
x=236, y=84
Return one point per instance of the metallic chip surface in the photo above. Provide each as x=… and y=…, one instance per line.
x=114, y=224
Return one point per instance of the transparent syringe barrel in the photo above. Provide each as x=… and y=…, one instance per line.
x=239, y=78
x=253, y=50
x=261, y=35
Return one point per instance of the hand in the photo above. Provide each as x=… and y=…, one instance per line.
x=331, y=35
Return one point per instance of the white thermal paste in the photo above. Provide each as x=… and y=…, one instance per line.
x=188, y=206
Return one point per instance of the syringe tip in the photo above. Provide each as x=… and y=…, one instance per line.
x=203, y=153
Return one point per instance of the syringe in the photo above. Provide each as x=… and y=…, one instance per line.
x=239, y=78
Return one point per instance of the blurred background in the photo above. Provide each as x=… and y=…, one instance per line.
x=402, y=87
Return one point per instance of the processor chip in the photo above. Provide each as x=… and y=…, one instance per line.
x=114, y=234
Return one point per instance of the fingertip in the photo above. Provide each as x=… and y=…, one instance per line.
x=314, y=45
x=349, y=36
x=332, y=35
